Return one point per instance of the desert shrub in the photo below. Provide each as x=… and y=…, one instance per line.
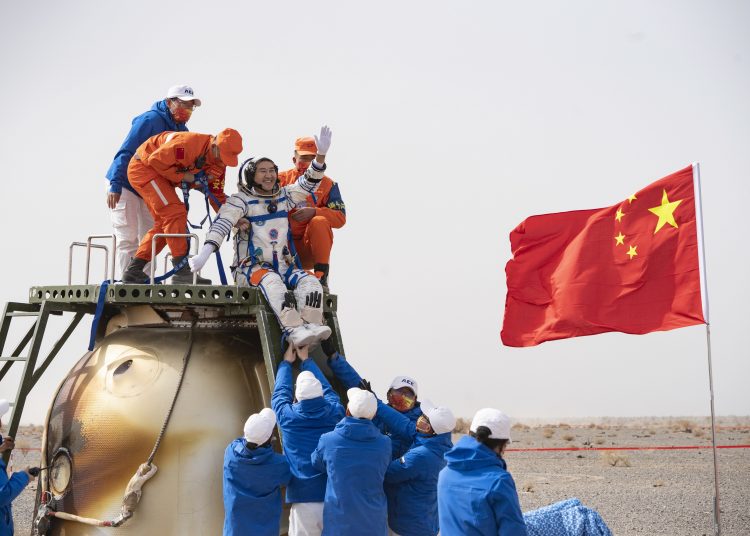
x=615, y=459
x=462, y=426
x=658, y=483
x=548, y=432
x=698, y=432
x=683, y=426
x=599, y=441
x=520, y=426
x=564, y=426
x=568, y=437
x=528, y=487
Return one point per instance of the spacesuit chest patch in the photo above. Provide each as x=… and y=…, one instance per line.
x=274, y=234
x=179, y=153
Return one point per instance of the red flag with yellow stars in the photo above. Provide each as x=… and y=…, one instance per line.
x=632, y=267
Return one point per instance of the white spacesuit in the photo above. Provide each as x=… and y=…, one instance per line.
x=264, y=254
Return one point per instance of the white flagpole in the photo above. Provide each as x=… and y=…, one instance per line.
x=704, y=302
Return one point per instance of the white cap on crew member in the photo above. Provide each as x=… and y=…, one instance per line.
x=442, y=420
x=184, y=93
x=308, y=386
x=259, y=426
x=494, y=419
x=362, y=404
x=405, y=381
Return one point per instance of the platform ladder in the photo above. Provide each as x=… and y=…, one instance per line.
x=34, y=335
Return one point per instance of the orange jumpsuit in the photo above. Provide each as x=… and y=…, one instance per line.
x=313, y=239
x=158, y=166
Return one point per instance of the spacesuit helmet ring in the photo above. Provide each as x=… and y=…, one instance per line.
x=249, y=169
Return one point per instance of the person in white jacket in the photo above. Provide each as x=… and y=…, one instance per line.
x=264, y=254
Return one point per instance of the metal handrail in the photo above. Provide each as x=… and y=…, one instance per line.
x=114, y=255
x=166, y=260
x=88, y=246
x=172, y=235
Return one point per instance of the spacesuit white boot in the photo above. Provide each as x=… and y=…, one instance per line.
x=302, y=322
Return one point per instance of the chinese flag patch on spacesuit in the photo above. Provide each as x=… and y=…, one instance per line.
x=179, y=153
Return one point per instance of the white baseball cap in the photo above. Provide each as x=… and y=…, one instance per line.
x=259, y=426
x=362, y=404
x=442, y=420
x=308, y=386
x=405, y=381
x=184, y=93
x=4, y=406
x=494, y=419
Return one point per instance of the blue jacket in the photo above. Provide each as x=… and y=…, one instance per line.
x=10, y=488
x=476, y=494
x=350, y=378
x=302, y=424
x=355, y=456
x=411, y=486
x=252, y=489
x=155, y=121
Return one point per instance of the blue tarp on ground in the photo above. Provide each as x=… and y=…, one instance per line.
x=565, y=518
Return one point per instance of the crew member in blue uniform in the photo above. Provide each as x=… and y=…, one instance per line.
x=317, y=411
x=10, y=488
x=476, y=493
x=355, y=455
x=253, y=476
x=411, y=480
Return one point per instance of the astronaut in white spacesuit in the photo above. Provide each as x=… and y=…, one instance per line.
x=264, y=254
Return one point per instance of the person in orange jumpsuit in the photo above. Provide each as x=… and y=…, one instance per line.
x=313, y=221
x=160, y=164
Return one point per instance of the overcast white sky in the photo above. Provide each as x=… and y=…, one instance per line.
x=452, y=121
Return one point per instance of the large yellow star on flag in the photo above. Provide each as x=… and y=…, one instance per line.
x=665, y=212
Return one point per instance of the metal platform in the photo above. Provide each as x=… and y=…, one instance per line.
x=236, y=300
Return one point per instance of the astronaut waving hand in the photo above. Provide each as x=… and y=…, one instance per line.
x=264, y=253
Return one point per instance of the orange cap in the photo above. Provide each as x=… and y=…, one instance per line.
x=229, y=143
x=305, y=146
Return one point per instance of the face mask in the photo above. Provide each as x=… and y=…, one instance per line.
x=424, y=426
x=302, y=166
x=401, y=402
x=181, y=115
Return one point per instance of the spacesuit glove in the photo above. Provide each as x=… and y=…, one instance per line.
x=324, y=140
x=197, y=262
x=365, y=386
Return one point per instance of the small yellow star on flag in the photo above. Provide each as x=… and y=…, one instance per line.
x=632, y=252
x=665, y=212
x=632, y=198
x=619, y=239
x=619, y=214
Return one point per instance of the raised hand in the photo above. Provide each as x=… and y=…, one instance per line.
x=323, y=141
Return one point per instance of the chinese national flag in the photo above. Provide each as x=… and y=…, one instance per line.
x=632, y=267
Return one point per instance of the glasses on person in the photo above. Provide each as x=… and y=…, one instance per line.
x=401, y=401
x=188, y=105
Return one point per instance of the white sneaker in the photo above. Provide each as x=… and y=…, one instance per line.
x=320, y=331
x=301, y=336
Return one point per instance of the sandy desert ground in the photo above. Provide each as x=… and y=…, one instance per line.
x=655, y=492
